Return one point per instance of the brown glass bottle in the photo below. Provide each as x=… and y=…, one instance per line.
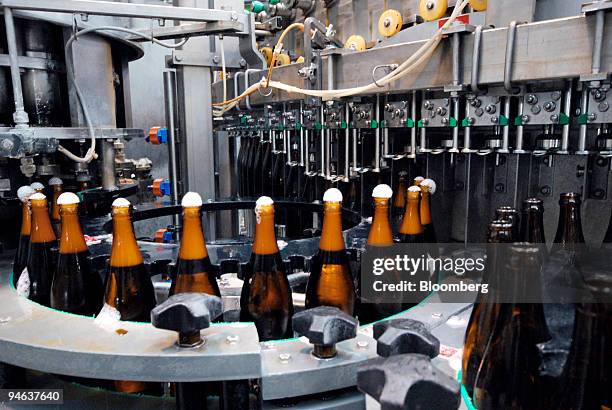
x=194, y=272
x=75, y=288
x=331, y=282
x=411, y=230
x=41, y=262
x=429, y=232
x=129, y=289
x=56, y=184
x=508, y=376
x=532, y=222
x=509, y=213
x=484, y=313
x=380, y=233
x=399, y=200
x=569, y=228
x=266, y=296
x=23, y=247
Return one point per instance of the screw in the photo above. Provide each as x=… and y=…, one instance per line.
x=475, y=102
x=441, y=111
x=216, y=59
x=598, y=193
x=470, y=120
x=428, y=105
x=554, y=118
x=234, y=16
x=556, y=95
x=525, y=118
x=490, y=109
x=284, y=357
x=479, y=112
x=546, y=190
x=495, y=119
x=532, y=99
x=243, y=62
x=232, y=339
x=499, y=187
x=603, y=106
x=7, y=145
x=592, y=116
x=430, y=5
x=444, y=121
x=387, y=22
x=536, y=109
x=178, y=57
x=550, y=106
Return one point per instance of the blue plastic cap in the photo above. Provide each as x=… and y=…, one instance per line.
x=162, y=135
x=165, y=188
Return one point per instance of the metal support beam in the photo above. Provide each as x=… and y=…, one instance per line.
x=19, y=116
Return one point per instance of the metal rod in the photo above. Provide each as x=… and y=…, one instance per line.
x=600, y=17
x=302, y=133
x=307, y=149
x=20, y=116
x=455, y=147
x=456, y=44
x=584, y=99
x=355, y=151
x=385, y=142
x=519, y=128
x=323, y=136
x=377, y=136
x=170, y=100
x=468, y=164
x=567, y=110
x=476, y=59
x=509, y=56
x=108, y=165
x=413, y=130
x=467, y=133
x=328, y=153
x=506, y=129
x=423, y=140
x=347, y=144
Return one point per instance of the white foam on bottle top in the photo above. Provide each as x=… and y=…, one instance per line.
x=55, y=181
x=37, y=196
x=121, y=203
x=431, y=184
x=24, y=193
x=191, y=199
x=37, y=186
x=332, y=195
x=68, y=198
x=382, y=191
x=414, y=188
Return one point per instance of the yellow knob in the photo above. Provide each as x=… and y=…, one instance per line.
x=267, y=53
x=300, y=59
x=478, y=5
x=282, y=59
x=432, y=10
x=390, y=23
x=356, y=43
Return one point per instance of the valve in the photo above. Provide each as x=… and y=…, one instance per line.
x=408, y=382
x=157, y=135
x=390, y=23
x=324, y=326
x=161, y=187
x=432, y=10
x=399, y=336
x=187, y=314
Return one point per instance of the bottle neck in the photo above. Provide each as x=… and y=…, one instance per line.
x=193, y=244
x=411, y=224
x=569, y=229
x=425, y=212
x=125, y=251
x=41, y=224
x=380, y=231
x=331, y=235
x=26, y=219
x=400, y=197
x=534, y=227
x=55, y=209
x=71, y=237
x=265, y=237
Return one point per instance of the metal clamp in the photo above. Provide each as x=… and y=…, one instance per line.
x=391, y=68
x=476, y=60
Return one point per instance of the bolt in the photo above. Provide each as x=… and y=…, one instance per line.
x=178, y=57
x=592, y=116
x=284, y=357
x=216, y=59
x=554, y=118
x=232, y=339
x=603, y=106
x=525, y=118
x=476, y=102
x=470, y=120
x=550, y=106
x=490, y=109
x=362, y=344
x=7, y=145
x=388, y=107
x=536, y=109
x=243, y=63
x=499, y=187
x=234, y=16
x=445, y=121
x=532, y=99
x=495, y=119
x=441, y=111
x=387, y=22
x=598, y=193
x=428, y=105
x=598, y=95
x=479, y=112
x=556, y=95
x=546, y=190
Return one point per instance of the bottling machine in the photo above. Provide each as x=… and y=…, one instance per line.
x=496, y=101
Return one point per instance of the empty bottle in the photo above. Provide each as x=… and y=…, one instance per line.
x=532, y=222
x=41, y=261
x=194, y=272
x=569, y=228
x=411, y=230
x=75, y=288
x=23, y=247
x=509, y=213
x=331, y=282
x=129, y=290
x=266, y=296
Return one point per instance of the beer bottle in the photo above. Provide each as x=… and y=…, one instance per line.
x=411, y=230
x=399, y=201
x=266, y=296
x=484, y=313
x=509, y=213
x=380, y=231
x=38, y=187
x=508, y=376
x=129, y=290
x=569, y=228
x=56, y=184
x=532, y=222
x=194, y=271
x=41, y=261
x=23, y=247
x=331, y=282
x=75, y=288
x=428, y=188
x=417, y=180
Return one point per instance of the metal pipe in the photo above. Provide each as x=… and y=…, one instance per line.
x=519, y=129
x=170, y=101
x=455, y=147
x=600, y=19
x=424, y=140
x=108, y=165
x=567, y=110
x=413, y=130
x=456, y=45
x=377, y=136
x=307, y=147
x=386, y=143
x=347, y=144
x=323, y=137
x=328, y=153
x=355, y=167
x=301, y=133
x=509, y=57
x=467, y=133
x=584, y=99
x=20, y=116
x=476, y=60
x=506, y=130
